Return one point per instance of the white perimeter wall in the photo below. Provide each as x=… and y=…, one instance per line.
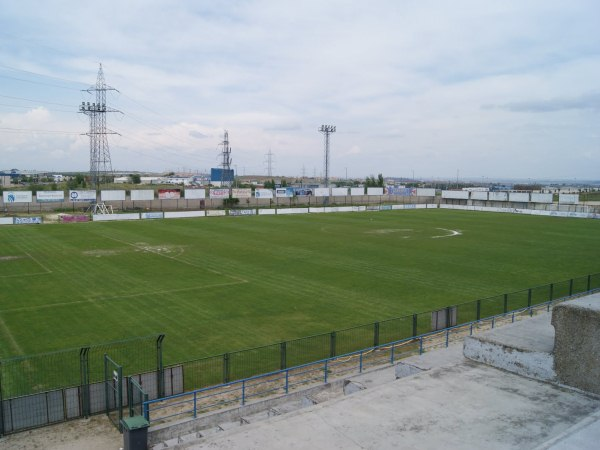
x=180, y=214
x=109, y=217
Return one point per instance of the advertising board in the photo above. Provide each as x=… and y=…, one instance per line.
x=169, y=194
x=194, y=194
x=357, y=191
x=82, y=196
x=401, y=191
x=518, y=197
x=27, y=220
x=215, y=213
x=498, y=196
x=458, y=195
x=241, y=193
x=242, y=212
x=152, y=215
x=569, y=199
x=284, y=192
x=49, y=196
x=541, y=198
x=112, y=195
x=425, y=192
x=479, y=195
x=17, y=196
x=263, y=193
x=142, y=194
x=219, y=193
x=374, y=191
x=321, y=192
x=339, y=192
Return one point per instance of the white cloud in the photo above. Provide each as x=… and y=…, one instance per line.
x=430, y=85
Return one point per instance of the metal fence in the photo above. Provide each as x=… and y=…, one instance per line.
x=279, y=382
x=39, y=390
x=53, y=387
x=231, y=366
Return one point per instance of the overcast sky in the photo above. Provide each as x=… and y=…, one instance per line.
x=479, y=89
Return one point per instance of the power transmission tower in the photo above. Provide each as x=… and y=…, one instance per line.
x=226, y=161
x=269, y=162
x=100, y=164
x=327, y=130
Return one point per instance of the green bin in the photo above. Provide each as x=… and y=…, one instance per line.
x=135, y=433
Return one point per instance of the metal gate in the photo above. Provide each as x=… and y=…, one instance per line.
x=113, y=389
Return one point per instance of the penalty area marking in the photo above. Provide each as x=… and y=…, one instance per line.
x=450, y=233
x=31, y=274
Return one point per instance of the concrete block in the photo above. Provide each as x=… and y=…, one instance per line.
x=524, y=348
x=577, y=343
x=406, y=370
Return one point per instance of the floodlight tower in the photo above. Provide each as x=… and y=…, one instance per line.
x=100, y=163
x=226, y=161
x=326, y=130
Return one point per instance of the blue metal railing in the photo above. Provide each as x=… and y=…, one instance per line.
x=283, y=381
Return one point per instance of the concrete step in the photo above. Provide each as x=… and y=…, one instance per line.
x=524, y=348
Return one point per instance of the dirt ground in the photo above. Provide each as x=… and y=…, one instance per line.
x=95, y=433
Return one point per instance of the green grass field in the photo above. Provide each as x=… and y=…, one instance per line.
x=220, y=284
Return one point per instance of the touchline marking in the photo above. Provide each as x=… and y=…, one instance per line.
x=452, y=233
x=13, y=342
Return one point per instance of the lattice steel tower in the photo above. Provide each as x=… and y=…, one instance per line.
x=326, y=130
x=226, y=162
x=100, y=163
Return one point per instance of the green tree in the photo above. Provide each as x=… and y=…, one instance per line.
x=135, y=178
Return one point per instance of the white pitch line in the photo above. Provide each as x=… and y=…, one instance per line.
x=117, y=297
x=13, y=342
x=39, y=263
x=147, y=249
x=452, y=233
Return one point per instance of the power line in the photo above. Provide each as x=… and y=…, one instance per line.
x=30, y=130
x=39, y=82
x=35, y=101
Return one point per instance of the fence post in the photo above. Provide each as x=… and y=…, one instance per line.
x=84, y=373
x=283, y=355
x=570, y=287
x=529, y=298
x=478, y=309
x=414, y=330
x=589, y=282
x=225, y=367
x=551, y=291
x=332, y=344
x=376, y=334
x=160, y=370
x=505, y=303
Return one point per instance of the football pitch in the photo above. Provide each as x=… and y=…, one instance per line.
x=219, y=284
